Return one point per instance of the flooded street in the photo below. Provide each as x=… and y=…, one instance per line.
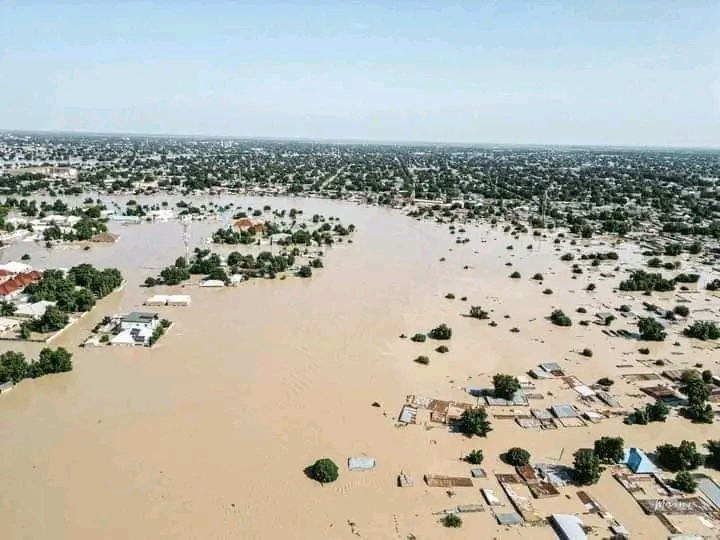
x=207, y=435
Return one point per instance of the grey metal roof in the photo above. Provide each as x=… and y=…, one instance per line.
x=139, y=317
x=509, y=518
x=709, y=488
x=564, y=410
x=568, y=527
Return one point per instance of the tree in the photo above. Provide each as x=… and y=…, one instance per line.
x=678, y=458
x=475, y=457
x=13, y=367
x=7, y=309
x=324, y=471
x=559, y=318
x=713, y=459
x=52, y=320
x=442, y=332
x=610, y=449
x=703, y=330
x=682, y=311
x=698, y=409
x=505, y=386
x=516, y=456
x=418, y=338
x=84, y=300
x=474, y=421
x=587, y=467
x=684, y=481
x=651, y=330
x=305, y=271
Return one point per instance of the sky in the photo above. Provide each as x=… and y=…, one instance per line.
x=609, y=72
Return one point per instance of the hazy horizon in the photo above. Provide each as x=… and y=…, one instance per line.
x=619, y=74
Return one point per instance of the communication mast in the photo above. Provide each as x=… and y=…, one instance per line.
x=186, y=237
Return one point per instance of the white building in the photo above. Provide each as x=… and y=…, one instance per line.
x=139, y=320
x=133, y=336
x=33, y=311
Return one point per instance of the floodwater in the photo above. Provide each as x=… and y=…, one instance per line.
x=207, y=435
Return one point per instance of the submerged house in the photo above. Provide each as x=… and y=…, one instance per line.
x=638, y=462
x=139, y=320
x=568, y=527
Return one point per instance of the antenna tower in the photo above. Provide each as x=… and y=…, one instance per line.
x=186, y=238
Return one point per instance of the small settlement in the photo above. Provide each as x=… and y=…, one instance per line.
x=644, y=482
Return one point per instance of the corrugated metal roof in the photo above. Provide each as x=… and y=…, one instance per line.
x=568, y=527
x=709, y=488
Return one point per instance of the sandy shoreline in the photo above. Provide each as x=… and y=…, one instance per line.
x=207, y=435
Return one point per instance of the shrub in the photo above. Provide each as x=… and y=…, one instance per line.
x=625, y=308
x=567, y=257
x=590, y=287
x=424, y=360
x=538, y=277
x=587, y=352
x=305, y=271
x=450, y=296
x=515, y=275
x=682, y=311
x=475, y=457
x=442, y=349
x=419, y=338
x=605, y=381
x=324, y=471
x=476, y=312
x=559, y=318
x=516, y=457
x=548, y=291
x=442, y=332
x=644, y=350
x=581, y=310
x=452, y=521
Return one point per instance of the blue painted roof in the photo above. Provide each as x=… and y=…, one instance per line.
x=638, y=462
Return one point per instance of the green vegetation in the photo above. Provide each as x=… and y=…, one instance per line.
x=586, y=352
x=324, y=471
x=640, y=280
x=651, y=330
x=419, y=338
x=517, y=457
x=653, y=412
x=474, y=421
x=159, y=331
x=442, y=349
x=505, y=386
x=684, y=481
x=606, y=382
x=703, y=330
x=682, y=311
x=424, y=360
x=559, y=318
x=475, y=457
x=452, y=521
x=586, y=466
x=713, y=459
x=305, y=271
x=14, y=367
x=698, y=409
x=684, y=457
x=476, y=312
x=610, y=449
x=442, y=332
